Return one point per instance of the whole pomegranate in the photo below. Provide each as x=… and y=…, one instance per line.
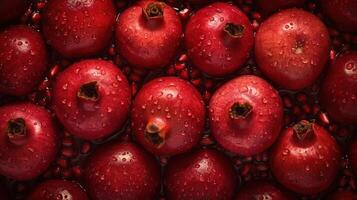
x=343, y=195
x=338, y=91
x=218, y=39
x=261, y=190
x=292, y=48
x=148, y=34
x=28, y=141
x=306, y=158
x=91, y=98
x=23, y=60
x=11, y=9
x=122, y=171
x=342, y=13
x=267, y=7
x=168, y=116
x=200, y=175
x=78, y=28
x=246, y=115
x=58, y=189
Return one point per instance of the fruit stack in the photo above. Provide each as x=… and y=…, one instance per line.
x=178, y=99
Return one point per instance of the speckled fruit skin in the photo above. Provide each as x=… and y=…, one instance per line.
x=342, y=13
x=23, y=60
x=58, y=189
x=338, y=91
x=307, y=160
x=122, y=171
x=249, y=132
x=343, y=195
x=78, y=28
x=292, y=48
x=25, y=155
x=168, y=116
x=200, y=175
x=148, y=42
x=92, y=118
x=11, y=9
x=261, y=190
x=267, y=7
x=353, y=155
x=212, y=48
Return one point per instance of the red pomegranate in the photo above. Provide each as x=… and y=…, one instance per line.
x=267, y=7
x=292, y=48
x=261, y=190
x=91, y=98
x=122, y=171
x=58, y=189
x=28, y=141
x=78, y=28
x=11, y=9
x=246, y=115
x=168, y=116
x=23, y=60
x=338, y=91
x=342, y=13
x=306, y=158
x=203, y=174
x=148, y=34
x=218, y=39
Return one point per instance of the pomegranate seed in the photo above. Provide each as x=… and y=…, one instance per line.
x=86, y=146
x=183, y=58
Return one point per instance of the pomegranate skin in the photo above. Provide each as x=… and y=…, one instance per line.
x=246, y=115
x=168, y=116
x=28, y=141
x=147, y=41
x=342, y=13
x=219, y=38
x=343, y=195
x=292, y=48
x=79, y=28
x=58, y=189
x=91, y=99
x=267, y=7
x=11, y=9
x=261, y=190
x=199, y=175
x=338, y=91
x=122, y=171
x=353, y=155
x=306, y=158
x=23, y=60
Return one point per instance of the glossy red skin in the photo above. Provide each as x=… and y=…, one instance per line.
x=58, y=189
x=143, y=45
x=29, y=160
x=338, y=91
x=342, y=13
x=267, y=7
x=11, y=9
x=204, y=39
x=275, y=48
x=343, y=195
x=308, y=168
x=353, y=156
x=200, y=175
x=78, y=28
x=23, y=60
x=176, y=101
x=122, y=171
x=264, y=123
x=261, y=190
x=108, y=114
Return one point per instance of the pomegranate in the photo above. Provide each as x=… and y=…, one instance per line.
x=28, y=141
x=292, y=48
x=218, y=39
x=148, y=34
x=23, y=60
x=122, y=171
x=306, y=158
x=246, y=115
x=203, y=174
x=168, y=116
x=261, y=190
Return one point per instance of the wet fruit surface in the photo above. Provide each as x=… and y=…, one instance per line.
x=261, y=190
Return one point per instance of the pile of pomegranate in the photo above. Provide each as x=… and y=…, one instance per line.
x=178, y=100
